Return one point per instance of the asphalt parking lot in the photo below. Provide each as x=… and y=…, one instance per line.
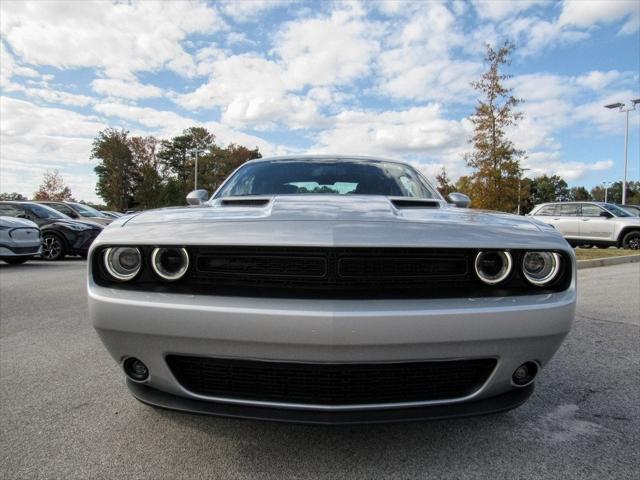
x=66, y=413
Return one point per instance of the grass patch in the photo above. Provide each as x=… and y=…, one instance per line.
x=591, y=253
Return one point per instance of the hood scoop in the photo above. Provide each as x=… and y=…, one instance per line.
x=414, y=203
x=244, y=202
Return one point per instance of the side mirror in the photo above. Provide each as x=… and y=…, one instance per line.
x=197, y=197
x=460, y=200
x=605, y=214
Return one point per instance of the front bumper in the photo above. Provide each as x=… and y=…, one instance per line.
x=20, y=250
x=499, y=403
x=149, y=326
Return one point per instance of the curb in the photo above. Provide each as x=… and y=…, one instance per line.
x=605, y=262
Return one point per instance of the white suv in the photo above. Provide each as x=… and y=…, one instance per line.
x=591, y=223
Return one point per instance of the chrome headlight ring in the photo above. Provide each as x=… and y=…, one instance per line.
x=170, y=263
x=122, y=263
x=489, y=259
x=541, y=268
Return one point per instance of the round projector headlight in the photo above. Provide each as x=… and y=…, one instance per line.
x=540, y=268
x=493, y=267
x=170, y=263
x=122, y=263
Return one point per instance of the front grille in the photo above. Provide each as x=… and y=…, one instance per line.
x=329, y=272
x=330, y=383
x=260, y=265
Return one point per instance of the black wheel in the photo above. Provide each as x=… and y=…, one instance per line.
x=632, y=240
x=52, y=247
x=16, y=260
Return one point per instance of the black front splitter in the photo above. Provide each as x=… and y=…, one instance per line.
x=499, y=403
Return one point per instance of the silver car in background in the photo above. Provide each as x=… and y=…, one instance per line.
x=20, y=240
x=591, y=223
x=331, y=289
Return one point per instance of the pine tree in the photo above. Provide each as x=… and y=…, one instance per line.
x=494, y=159
x=444, y=185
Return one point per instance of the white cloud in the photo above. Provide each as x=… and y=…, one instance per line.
x=51, y=95
x=326, y=52
x=546, y=163
x=243, y=11
x=597, y=80
x=498, y=10
x=130, y=89
x=586, y=14
x=37, y=138
x=416, y=131
x=418, y=62
x=109, y=36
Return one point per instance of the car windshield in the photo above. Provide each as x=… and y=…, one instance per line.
x=42, y=211
x=617, y=211
x=86, y=210
x=335, y=177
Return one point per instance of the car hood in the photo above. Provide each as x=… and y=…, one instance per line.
x=12, y=222
x=628, y=220
x=99, y=220
x=62, y=221
x=331, y=221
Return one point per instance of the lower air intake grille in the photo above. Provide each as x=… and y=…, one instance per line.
x=329, y=383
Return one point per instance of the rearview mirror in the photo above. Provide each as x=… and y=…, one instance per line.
x=197, y=197
x=460, y=200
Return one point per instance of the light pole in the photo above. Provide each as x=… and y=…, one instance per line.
x=522, y=170
x=620, y=106
x=606, y=190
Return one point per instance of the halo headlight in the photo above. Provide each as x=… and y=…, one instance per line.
x=540, y=268
x=122, y=263
x=493, y=267
x=170, y=263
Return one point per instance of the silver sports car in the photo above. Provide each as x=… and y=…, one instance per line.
x=331, y=289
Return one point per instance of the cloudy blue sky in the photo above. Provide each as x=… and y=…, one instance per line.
x=388, y=78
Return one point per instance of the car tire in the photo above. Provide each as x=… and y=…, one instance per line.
x=631, y=240
x=16, y=260
x=52, y=247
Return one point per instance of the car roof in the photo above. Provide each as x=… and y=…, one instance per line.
x=572, y=202
x=311, y=157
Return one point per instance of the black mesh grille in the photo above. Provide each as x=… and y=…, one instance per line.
x=328, y=383
x=256, y=265
x=330, y=272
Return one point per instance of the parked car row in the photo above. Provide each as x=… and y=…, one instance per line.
x=592, y=223
x=51, y=230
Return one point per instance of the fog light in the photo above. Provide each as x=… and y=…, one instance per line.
x=525, y=374
x=135, y=369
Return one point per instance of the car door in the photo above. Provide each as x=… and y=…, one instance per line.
x=566, y=219
x=595, y=223
x=546, y=214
